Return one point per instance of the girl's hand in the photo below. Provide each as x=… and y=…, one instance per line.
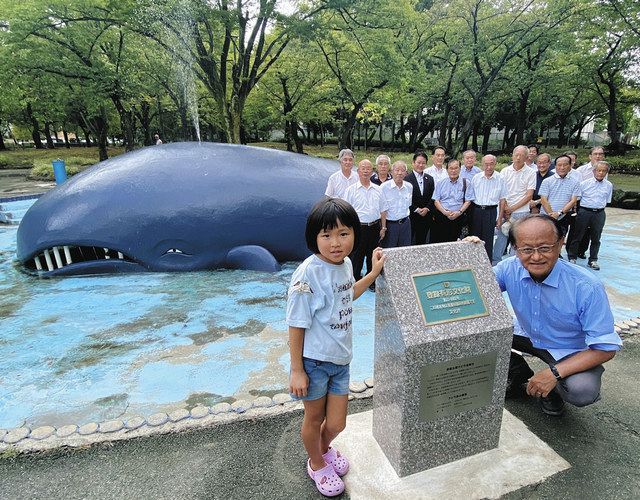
x=298, y=383
x=377, y=261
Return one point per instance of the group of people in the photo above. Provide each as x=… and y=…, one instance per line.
x=447, y=200
x=563, y=313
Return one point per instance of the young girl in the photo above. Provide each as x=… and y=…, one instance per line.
x=319, y=317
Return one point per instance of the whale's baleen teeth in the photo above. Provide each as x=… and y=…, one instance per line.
x=63, y=255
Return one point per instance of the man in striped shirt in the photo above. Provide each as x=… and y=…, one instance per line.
x=559, y=193
x=488, y=205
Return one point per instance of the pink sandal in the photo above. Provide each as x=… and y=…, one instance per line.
x=337, y=460
x=326, y=479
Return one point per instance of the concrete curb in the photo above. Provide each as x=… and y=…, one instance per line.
x=26, y=440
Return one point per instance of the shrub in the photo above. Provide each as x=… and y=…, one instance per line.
x=43, y=169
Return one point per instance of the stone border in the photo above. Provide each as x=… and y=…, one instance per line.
x=26, y=440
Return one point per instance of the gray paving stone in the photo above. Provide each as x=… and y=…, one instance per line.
x=66, y=430
x=42, y=432
x=263, y=402
x=240, y=406
x=111, y=426
x=281, y=398
x=357, y=386
x=179, y=414
x=351, y=397
x=86, y=429
x=631, y=323
x=158, y=419
x=622, y=326
x=135, y=422
x=14, y=435
x=199, y=411
x=220, y=408
x=369, y=382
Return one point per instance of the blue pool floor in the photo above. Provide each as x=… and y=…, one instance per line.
x=83, y=349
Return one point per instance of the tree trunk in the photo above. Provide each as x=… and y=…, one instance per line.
x=47, y=135
x=561, y=126
x=66, y=138
x=381, y=138
x=486, y=135
x=35, y=128
x=3, y=147
x=127, y=122
x=474, y=136
x=521, y=120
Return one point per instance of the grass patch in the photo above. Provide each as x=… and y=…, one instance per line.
x=625, y=182
x=30, y=158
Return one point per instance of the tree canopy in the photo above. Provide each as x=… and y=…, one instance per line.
x=236, y=71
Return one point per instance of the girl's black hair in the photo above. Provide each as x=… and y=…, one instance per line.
x=325, y=214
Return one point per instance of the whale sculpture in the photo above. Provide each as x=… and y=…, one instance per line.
x=176, y=207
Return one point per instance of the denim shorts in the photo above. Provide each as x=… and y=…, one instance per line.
x=324, y=377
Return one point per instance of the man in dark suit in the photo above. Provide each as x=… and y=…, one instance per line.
x=421, y=202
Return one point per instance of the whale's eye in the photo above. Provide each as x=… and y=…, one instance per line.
x=174, y=250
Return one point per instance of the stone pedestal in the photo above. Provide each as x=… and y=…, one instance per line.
x=442, y=344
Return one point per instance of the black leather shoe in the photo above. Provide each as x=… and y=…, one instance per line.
x=582, y=256
x=552, y=405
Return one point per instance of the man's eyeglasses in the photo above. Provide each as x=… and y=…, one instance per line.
x=544, y=249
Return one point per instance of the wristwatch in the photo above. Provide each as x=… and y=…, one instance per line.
x=555, y=372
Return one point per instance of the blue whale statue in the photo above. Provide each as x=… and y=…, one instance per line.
x=176, y=207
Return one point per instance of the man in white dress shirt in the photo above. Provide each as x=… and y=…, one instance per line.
x=490, y=198
x=587, y=170
x=397, y=194
x=367, y=200
x=520, y=181
x=438, y=171
x=343, y=178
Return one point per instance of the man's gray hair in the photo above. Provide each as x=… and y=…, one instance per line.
x=383, y=157
x=469, y=151
x=521, y=146
x=547, y=155
x=344, y=152
x=604, y=163
x=489, y=157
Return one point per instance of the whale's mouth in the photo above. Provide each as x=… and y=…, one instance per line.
x=62, y=256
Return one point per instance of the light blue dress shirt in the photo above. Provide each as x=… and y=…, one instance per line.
x=595, y=194
x=469, y=174
x=567, y=313
x=451, y=194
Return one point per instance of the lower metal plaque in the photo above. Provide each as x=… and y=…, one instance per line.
x=456, y=386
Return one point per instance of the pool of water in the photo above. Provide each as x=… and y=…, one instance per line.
x=81, y=349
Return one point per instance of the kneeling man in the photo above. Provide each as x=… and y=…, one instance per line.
x=564, y=315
